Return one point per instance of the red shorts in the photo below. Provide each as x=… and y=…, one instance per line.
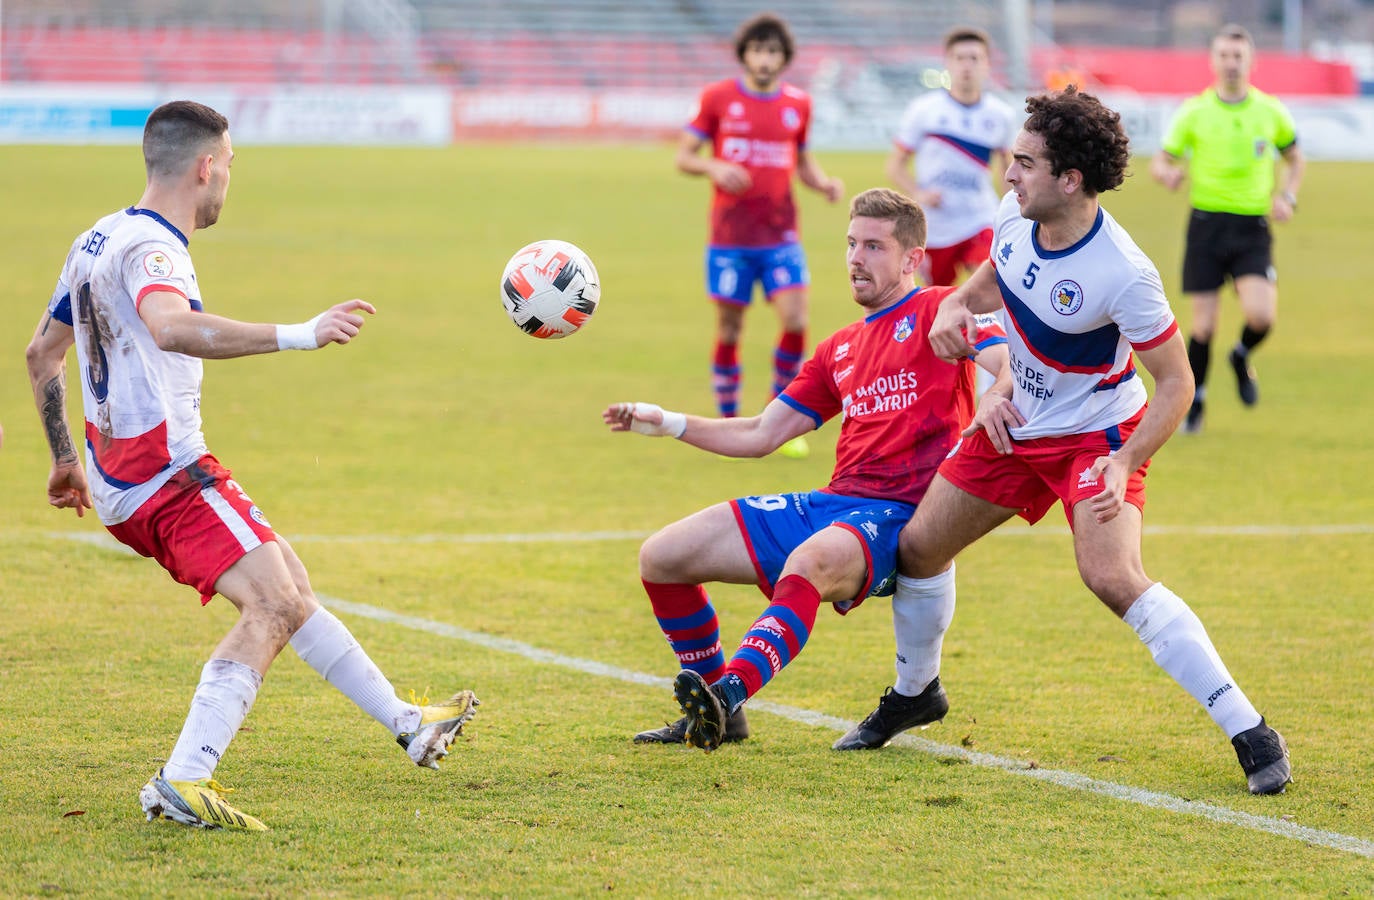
x=1040, y=471
x=197, y=525
x=942, y=263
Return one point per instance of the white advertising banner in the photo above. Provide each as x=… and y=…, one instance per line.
x=86, y=114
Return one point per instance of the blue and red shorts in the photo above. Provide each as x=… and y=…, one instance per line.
x=731, y=272
x=774, y=525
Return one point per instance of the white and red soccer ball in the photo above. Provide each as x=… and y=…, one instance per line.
x=550, y=289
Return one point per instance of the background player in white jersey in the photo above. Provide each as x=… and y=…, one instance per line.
x=1075, y=425
x=956, y=137
x=128, y=299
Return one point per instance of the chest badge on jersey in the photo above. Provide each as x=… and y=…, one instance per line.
x=1005, y=253
x=790, y=120
x=902, y=330
x=1066, y=297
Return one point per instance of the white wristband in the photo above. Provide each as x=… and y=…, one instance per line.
x=674, y=423
x=300, y=336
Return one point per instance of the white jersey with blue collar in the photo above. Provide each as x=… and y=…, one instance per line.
x=142, y=404
x=1074, y=316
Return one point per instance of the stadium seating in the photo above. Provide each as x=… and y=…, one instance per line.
x=591, y=44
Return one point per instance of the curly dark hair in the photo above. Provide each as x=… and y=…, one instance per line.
x=765, y=27
x=1080, y=133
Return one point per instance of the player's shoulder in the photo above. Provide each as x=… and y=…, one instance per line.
x=722, y=89
x=792, y=92
x=1198, y=103
x=1268, y=101
x=997, y=104
x=1131, y=262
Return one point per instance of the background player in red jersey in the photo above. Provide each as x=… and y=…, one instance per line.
x=902, y=410
x=756, y=126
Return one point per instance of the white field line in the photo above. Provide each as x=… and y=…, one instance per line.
x=103, y=539
x=1072, y=780
x=567, y=537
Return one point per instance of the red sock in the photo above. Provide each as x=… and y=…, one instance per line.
x=725, y=378
x=774, y=639
x=689, y=622
x=787, y=359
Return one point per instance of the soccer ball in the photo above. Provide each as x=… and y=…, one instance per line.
x=550, y=289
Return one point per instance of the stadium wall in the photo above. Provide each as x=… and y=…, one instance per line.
x=1330, y=128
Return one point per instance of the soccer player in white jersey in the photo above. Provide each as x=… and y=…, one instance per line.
x=129, y=301
x=956, y=137
x=1082, y=301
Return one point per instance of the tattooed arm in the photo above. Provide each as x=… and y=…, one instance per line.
x=47, y=359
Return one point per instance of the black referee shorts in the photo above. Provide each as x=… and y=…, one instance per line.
x=1221, y=244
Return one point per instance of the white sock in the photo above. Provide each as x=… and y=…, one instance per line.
x=226, y=692
x=329, y=648
x=922, y=609
x=1180, y=646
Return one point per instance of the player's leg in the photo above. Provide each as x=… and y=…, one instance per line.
x=786, y=282
x=792, y=308
x=1204, y=273
x=673, y=564
x=1108, y=556
x=828, y=567
x=726, y=372
x=324, y=643
x=1258, y=295
x=947, y=520
x=730, y=284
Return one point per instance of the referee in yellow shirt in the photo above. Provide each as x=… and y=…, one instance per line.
x=1226, y=140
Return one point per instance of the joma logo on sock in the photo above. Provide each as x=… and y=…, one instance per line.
x=210, y=750
x=1217, y=693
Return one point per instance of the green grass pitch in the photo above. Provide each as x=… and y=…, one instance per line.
x=397, y=462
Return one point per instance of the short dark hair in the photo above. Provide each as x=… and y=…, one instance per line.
x=177, y=132
x=967, y=33
x=907, y=218
x=1080, y=133
x=765, y=27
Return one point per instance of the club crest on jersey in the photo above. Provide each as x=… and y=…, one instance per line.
x=1066, y=297
x=1005, y=253
x=157, y=264
x=790, y=120
x=902, y=330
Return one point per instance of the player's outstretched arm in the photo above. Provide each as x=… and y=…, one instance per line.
x=741, y=437
x=177, y=328
x=47, y=362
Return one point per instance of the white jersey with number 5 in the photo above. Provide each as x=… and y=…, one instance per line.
x=1073, y=318
x=142, y=403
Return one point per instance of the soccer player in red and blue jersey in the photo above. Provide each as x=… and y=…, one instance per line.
x=757, y=127
x=902, y=409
